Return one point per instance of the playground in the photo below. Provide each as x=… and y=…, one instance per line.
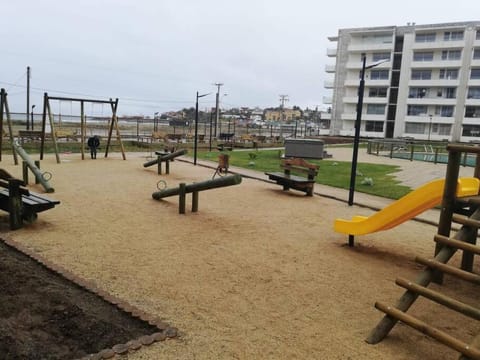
x=255, y=273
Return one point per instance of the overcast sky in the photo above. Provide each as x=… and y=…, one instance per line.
x=155, y=54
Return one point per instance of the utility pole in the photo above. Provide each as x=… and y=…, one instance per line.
x=28, y=97
x=217, y=108
x=283, y=99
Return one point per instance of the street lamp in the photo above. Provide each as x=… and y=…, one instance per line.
x=358, y=120
x=195, y=141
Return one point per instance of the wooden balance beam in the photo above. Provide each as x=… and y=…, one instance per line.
x=183, y=189
x=162, y=157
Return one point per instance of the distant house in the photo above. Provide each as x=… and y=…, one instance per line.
x=286, y=115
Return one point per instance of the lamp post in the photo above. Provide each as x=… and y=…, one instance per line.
x=33, y=107
x=195, y=140
x=155, y=122
x=356, y=140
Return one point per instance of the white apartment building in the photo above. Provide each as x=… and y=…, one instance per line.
x=428, y=89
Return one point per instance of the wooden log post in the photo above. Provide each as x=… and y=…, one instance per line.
x=424, y=278
x=15, y=203
x=36, y=171
x=194, y=188
x=182, y=198
x=195, y=201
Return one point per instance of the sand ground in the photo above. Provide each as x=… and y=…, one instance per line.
x=256, y=273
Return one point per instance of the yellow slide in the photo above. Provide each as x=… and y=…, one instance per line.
x=409, y=206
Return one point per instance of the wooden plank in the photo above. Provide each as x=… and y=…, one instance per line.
x=444, y=240
x=293, y=178
x=439, y=298
x=426, y=329
x=447, y=269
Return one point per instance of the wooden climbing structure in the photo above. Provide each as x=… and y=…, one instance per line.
x=466, y=212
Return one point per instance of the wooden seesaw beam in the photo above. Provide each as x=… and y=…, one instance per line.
x=183, y=189
x=165, y=158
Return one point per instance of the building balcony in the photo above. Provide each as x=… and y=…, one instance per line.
x=431, y=101
x=330, y=68
x=471, y=121
x=472, y=102
x=327, y=100
x=357, y=65
x=436, y=64
x=475, y=62
x=332, y=52
x=474, y=82
x=438, y=45
x=328, y=84
x=370, y=47
x=368, y=82
x=434, y=83
x=366, y=100
x=425, y=119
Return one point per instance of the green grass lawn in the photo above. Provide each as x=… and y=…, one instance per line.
x=332, y=173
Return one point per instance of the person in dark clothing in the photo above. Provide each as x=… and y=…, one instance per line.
x=93, y=143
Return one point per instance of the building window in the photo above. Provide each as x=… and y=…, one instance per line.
x=453, y=35
x=451, y=54
x=380, y=56
x=444, y=110
x=448, y=74
x=450, y=93
x=374, y=126
x=423, y=56
x=417, y=92
x=475, y=74
x=376, y=109
x=476, y=53
x=425, y=37
x=473, y=92
x=377, y=92
x=379, y=75
x=472, y=111
x=421, y=74
x=414, y=128
x=417, y=110
x=444, y=129
x=477, y=35
x=471, y=130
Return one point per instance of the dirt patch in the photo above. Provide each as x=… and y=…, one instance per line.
x=44, y=316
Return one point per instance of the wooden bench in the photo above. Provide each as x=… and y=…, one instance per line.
x=289, y=180
x=20, y=203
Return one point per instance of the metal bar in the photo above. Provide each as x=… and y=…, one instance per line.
x=82, y=130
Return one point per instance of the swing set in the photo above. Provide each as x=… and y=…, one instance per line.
x=113, y=123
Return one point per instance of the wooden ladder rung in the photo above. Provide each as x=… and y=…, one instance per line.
x=447, y=269
x=426, y=329
x=457, y=244
x=464, y=220
x=439, y=298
